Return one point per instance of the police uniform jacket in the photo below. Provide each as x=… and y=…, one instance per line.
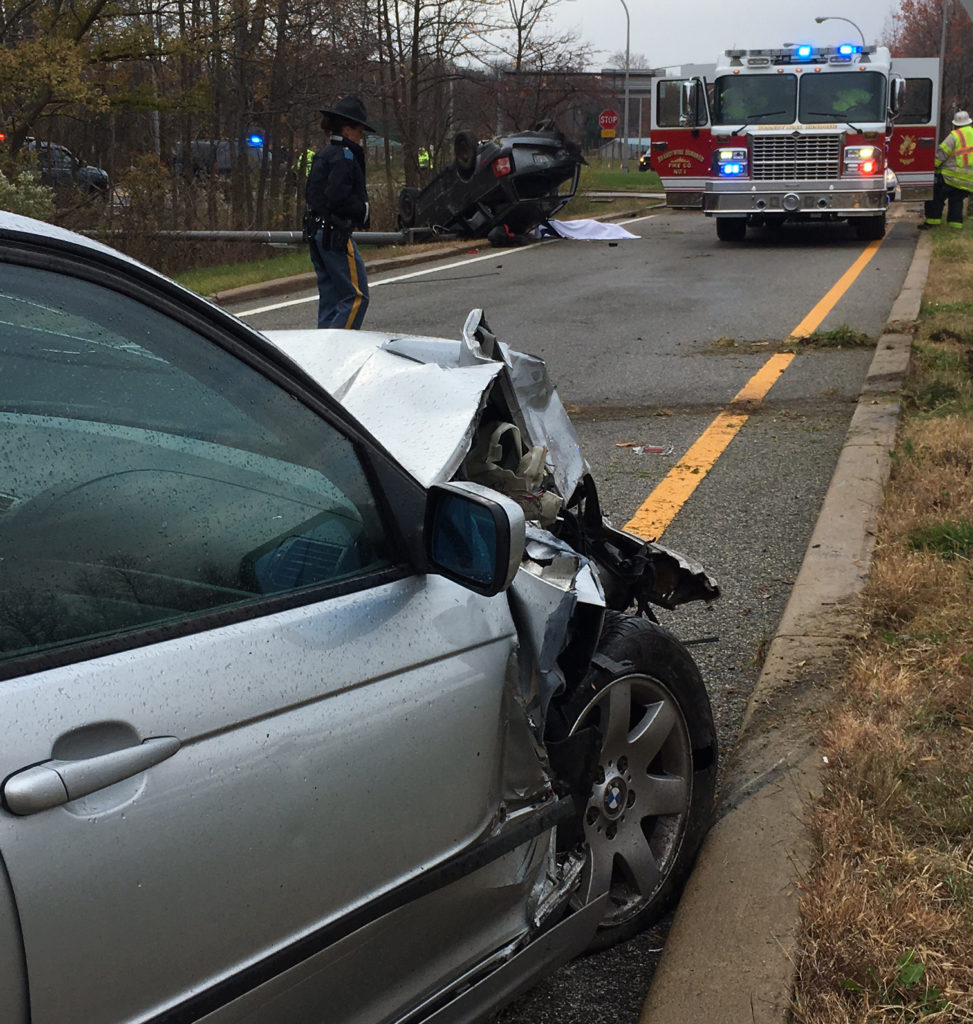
x=336, y=184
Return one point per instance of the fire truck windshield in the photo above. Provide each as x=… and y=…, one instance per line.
x=849, y=96
x=754, y=99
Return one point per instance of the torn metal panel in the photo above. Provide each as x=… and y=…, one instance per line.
x=553, y=580
x=534, y=404
x=527, y=774
x=631, y=570
x=673, y=580
x=547, y=422
x=392, y=396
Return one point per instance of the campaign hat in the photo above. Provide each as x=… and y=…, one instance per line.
x=351, y=109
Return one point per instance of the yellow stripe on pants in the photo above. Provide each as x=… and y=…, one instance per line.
x=353, y=274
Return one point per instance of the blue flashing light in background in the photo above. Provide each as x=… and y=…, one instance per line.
x=847, y=50
x=255, y=140
x=730, y=170
x=804, y=51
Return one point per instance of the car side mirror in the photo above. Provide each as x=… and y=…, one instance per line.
x=474, y=536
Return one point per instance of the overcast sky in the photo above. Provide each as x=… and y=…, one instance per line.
x=669, y=32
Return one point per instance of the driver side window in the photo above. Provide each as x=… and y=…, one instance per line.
x=149, y=476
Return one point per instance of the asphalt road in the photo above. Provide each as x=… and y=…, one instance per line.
x=647, y=340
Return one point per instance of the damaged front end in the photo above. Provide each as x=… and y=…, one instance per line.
x=500, y=423
x=576, y=568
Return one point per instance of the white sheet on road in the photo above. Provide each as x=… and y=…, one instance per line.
x=590, y=230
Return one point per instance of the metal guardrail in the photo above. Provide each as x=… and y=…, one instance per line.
x=409, y=236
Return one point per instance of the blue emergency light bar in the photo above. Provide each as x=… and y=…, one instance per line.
x=802, y=53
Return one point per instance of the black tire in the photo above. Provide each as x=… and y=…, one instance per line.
x=407, y=207
x=464, y=154
x=731, y=229
x=867, y=229
x=652, y=799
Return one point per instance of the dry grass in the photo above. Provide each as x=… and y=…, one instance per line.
x=888, y=906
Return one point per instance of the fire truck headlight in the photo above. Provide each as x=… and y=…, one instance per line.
x=863, y=160
x=731, y=163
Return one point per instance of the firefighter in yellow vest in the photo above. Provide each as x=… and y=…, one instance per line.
x=954, y=174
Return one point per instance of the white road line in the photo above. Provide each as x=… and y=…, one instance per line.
x=492, y=255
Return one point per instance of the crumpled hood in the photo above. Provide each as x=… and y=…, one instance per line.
x=391, y=382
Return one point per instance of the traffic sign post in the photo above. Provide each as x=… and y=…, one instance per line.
x=608, y=122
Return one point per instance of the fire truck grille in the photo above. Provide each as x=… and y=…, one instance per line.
x=807, y=158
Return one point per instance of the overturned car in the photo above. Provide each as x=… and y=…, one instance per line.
x=326, y=683
x=497, y=188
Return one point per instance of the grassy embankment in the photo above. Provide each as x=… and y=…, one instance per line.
x=594, y=178
x=888, y=906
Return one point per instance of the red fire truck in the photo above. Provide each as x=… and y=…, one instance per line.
x=797, y=133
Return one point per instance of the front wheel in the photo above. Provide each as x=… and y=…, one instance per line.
x=652, y=797
x=867, y=229
x=731, y=229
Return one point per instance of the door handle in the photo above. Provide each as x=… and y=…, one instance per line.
x=57, y=782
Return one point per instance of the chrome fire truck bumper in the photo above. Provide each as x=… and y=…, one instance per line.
x=783, y=198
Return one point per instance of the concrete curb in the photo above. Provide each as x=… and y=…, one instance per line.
x=729, y=957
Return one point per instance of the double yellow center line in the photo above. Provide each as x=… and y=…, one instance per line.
x=660, y=507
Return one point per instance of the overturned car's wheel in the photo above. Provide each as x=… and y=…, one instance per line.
x=407, y=207
x=652, y=796
x=464, y=153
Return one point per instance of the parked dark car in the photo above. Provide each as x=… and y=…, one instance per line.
x=61, y=168
x=506, y=185
x=329, y=694
x=216, y=156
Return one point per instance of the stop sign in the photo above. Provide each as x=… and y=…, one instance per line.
x=608, y=119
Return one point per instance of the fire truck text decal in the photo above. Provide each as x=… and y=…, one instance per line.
x=679, y=161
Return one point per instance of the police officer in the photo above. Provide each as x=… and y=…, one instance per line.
x=337, y=204
x=954, y=174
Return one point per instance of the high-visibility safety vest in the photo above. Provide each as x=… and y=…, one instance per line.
x=954, y=158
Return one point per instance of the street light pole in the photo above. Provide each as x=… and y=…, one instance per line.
x=836, y=17
x=628, y=33
x=946, y=12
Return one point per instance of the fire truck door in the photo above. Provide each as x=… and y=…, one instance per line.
x=681, y=140
x=912, y=146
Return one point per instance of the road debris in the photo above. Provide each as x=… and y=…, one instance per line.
x=647, y=449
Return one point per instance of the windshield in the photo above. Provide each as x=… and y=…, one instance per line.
x=754, y=99
x=850, y=96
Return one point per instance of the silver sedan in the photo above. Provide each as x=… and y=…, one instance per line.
x=327, y=692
